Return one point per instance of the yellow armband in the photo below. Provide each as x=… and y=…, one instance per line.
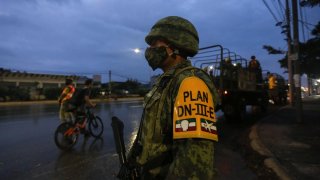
x=194, y=115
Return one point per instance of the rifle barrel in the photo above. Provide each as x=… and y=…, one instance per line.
x=117, y=126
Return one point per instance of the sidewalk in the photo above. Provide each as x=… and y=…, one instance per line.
x=292, y=150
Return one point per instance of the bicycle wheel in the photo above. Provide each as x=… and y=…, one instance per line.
x=65, y=137
x=96, y=126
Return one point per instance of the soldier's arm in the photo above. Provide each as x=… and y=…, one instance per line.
x=89, y=103
x=193, y=153
x=192, y=159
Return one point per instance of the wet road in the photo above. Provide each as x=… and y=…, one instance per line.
x=28, y=150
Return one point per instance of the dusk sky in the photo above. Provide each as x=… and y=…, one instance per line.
x=86, y=37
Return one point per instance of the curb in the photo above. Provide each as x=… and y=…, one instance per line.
x=270, y=161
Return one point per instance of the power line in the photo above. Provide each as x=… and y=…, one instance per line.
x=307, y=26
x=274, y=16
x=306, y=20
x=281, y=6
x=282, y=9
x=307, y=23
x=278, y=9
x=302, y=24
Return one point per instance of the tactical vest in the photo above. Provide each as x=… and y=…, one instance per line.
x=69, y=90
x=272, y=82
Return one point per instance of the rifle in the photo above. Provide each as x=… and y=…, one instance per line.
x=127, y=170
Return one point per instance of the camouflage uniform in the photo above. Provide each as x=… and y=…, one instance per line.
x=158, y=149
x=179, y=159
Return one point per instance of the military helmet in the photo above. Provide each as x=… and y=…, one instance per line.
x=178, y=31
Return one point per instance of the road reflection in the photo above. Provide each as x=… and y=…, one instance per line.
x=28, y=150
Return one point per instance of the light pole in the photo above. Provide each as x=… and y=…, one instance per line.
x=288, y=32
x=296, y=77
x=109, y=83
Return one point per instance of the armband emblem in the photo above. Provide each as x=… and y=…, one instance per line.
x=194, y=115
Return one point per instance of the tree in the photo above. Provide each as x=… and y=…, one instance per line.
x=272, y=50
x=309, y=54
x=310, y=3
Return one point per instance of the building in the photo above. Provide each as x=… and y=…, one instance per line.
x=32, y=80
x=35, y=83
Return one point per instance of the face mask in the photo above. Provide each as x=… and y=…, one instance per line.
x=156, y=56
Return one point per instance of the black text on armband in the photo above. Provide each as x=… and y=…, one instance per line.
x=197, y=109
x=199, y=96
x=200, y=108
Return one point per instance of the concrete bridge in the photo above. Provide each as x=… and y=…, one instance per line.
x=32, y=80
x=35, y=83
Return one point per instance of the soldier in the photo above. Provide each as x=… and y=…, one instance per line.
x=272, y=84
x=226, y=67
x=254, y=66
x=227, y=70
x=178, y=126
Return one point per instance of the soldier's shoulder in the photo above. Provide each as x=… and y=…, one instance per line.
x=191, y=72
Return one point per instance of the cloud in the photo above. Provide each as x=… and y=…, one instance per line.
x=98, y=35
x=6, y=53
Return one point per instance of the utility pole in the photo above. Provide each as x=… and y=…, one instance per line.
x=109, y=82
x=290, y=77
x=309, y=85
x=296, y=76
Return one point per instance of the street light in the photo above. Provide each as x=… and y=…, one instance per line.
x=137, y=50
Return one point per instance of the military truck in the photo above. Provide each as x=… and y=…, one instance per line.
x=237, y=86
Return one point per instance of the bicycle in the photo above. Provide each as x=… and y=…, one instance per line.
x=66, y=134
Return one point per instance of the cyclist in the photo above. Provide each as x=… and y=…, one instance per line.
x=65, y=96
x=81, y=99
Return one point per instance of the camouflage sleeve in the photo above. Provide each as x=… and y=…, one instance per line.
x=193, y=159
